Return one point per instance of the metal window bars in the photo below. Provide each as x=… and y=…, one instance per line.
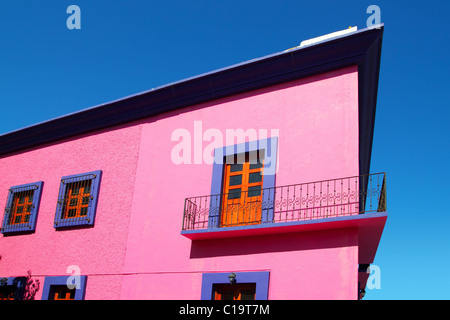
x=19, y=208
x=305, y=201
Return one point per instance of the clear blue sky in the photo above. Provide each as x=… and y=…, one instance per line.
x=126, y=47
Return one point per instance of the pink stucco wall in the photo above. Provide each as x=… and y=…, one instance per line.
x=136, y=251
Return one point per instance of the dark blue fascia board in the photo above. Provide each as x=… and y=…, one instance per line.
x=362, y=48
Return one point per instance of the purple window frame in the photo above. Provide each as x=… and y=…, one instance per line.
x=95, y=177
x=62, y=281
x=270, y=148
x=29, y=226
x=260, y=278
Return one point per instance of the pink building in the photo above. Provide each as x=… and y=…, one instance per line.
x=249, y=182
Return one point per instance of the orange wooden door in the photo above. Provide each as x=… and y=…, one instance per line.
x=7, y=292
x=242, y=194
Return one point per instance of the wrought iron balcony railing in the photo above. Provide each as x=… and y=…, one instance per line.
x=306, y=201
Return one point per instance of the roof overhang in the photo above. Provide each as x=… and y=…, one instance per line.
x=361, y=48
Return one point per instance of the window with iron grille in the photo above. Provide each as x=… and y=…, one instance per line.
x=22, y=207
x=77, y=200
x=228, y=291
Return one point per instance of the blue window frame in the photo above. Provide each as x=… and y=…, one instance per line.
x=51, y=282
x=260, y=278
x=77, y=200
x=22, y=207
x=266, y=147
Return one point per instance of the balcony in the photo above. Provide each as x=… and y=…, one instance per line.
x=335, y=203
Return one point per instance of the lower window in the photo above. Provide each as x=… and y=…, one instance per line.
x=12, y=288
x=64, y=288
x=7, y=292
x=235, y=286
